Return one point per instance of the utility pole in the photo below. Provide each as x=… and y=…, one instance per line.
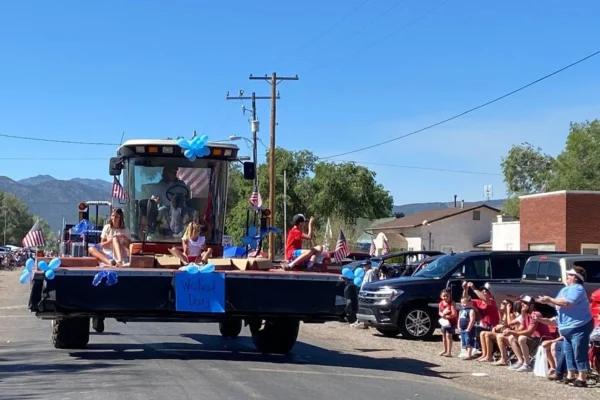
x=274, y=80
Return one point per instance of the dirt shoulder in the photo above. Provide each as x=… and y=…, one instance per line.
x=499, y=383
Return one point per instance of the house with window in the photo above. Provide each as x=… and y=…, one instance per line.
x=448, y=230
x=566, y=220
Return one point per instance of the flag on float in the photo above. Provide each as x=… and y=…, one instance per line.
x=35, y=236
x=373, y=249
x=341, y=248
x=255, y=199
x=328, y=236
x=198, y=180
x=117, y=190
x=386, y=247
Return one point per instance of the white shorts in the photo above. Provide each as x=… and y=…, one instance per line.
x=107, y=252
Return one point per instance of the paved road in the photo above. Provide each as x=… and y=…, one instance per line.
x=191, y=361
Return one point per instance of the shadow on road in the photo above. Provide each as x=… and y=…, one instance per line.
x=214, y=347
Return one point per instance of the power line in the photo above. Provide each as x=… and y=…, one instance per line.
x=390, y=35
x=469, y=110
x=260, y=141
x=326, y=31
x=423, y=168
x=363, y=27
x=58, y=141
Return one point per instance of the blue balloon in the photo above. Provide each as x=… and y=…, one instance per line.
x=26, y=276
x=203, y=139
x=205, y=151
x=358, y=281
x=50, y=274
x=359, y=272
x=189, y=153
x=184, y=144
x=192, y=269
x=207, y=269
x=252, y=231
x=199, y=151
x=29, y=264
x=54, y=263
x=43, y=266
x=347, y=273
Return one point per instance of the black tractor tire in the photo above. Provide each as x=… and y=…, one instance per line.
x=276, y=336
x=417, y=323
x=71, y=333
x=391, y=333
x=98, y=324
x=230, y=328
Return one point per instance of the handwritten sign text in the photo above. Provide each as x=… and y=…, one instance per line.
x=200, y=292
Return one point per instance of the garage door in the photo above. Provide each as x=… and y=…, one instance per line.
x=542, y=247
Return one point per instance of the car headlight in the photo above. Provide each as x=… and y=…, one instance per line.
x=392, y=294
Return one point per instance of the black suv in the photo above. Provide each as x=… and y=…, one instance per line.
x=409, y=305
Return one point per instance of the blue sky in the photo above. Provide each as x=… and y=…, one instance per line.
x=92, y=70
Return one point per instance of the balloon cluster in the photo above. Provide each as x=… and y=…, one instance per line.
x=47, y=268
x=355, y=276
x=197, y=269
x=254, y=237
x=107, y=276
x=195, y=147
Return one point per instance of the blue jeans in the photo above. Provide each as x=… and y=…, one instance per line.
x=467, y=338
x=561, y=361
x=576, y=346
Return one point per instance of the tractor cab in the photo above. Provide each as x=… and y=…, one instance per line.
x=166, y=191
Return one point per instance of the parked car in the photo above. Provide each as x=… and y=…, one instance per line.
x=403, y=263
x=544, y=275
x=408, y=305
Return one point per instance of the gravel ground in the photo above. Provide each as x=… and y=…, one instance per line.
x=500, y=382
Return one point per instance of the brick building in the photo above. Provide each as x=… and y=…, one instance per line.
x=567, y=220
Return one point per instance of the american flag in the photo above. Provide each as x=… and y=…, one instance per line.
x=117, y=190
x=255, y=199
x=341, y=248
x=35, y=236
x=373, y=249
x=386, y=247
x=197, y=179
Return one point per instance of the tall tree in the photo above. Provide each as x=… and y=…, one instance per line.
x=577, y=167
x=526, y=170
x=16, y=220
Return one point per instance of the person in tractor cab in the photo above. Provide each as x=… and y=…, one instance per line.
x=294, y=254
x=114, y=241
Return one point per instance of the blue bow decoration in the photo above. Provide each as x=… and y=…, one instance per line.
x=49, y=268
x=195, y=147
x=196, y=269
x=354, y=276
x=27, y=274
x=109, y=277
x=82, y=227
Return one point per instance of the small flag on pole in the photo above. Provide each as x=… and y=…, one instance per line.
x=386, y=247
x=373, y=249
x=117, y=190
x=341, y=248
x=35, y=236
x=255, y=199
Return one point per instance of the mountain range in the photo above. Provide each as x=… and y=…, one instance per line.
x=53, y=199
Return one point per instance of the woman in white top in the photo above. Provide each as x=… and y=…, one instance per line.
x=114, y=241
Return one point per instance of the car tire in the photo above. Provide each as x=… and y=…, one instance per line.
x=416, y=323
x=230, y=328
x=71, y=333
x=276, y=336
x=98, y=324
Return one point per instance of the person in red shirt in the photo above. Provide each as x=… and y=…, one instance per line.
x=449, y=319
x=294, y=254
x=489, y=315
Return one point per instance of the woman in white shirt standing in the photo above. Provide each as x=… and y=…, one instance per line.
x=114, y=241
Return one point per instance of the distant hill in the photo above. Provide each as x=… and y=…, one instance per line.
x=52, y=199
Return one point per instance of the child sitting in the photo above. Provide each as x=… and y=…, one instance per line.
x=294, y=254
x=466, y=326
x=193, y=242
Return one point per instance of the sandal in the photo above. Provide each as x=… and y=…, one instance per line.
x=579, y=383
x=568, y=381
x=500, y=363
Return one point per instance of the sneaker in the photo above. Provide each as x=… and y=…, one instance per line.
x=524, y=368
x=477, y=352
x=462, y=353
x=515, y=366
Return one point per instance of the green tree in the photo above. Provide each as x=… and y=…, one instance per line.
x=16, y=220
x=577, y=167
x=526, y=170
